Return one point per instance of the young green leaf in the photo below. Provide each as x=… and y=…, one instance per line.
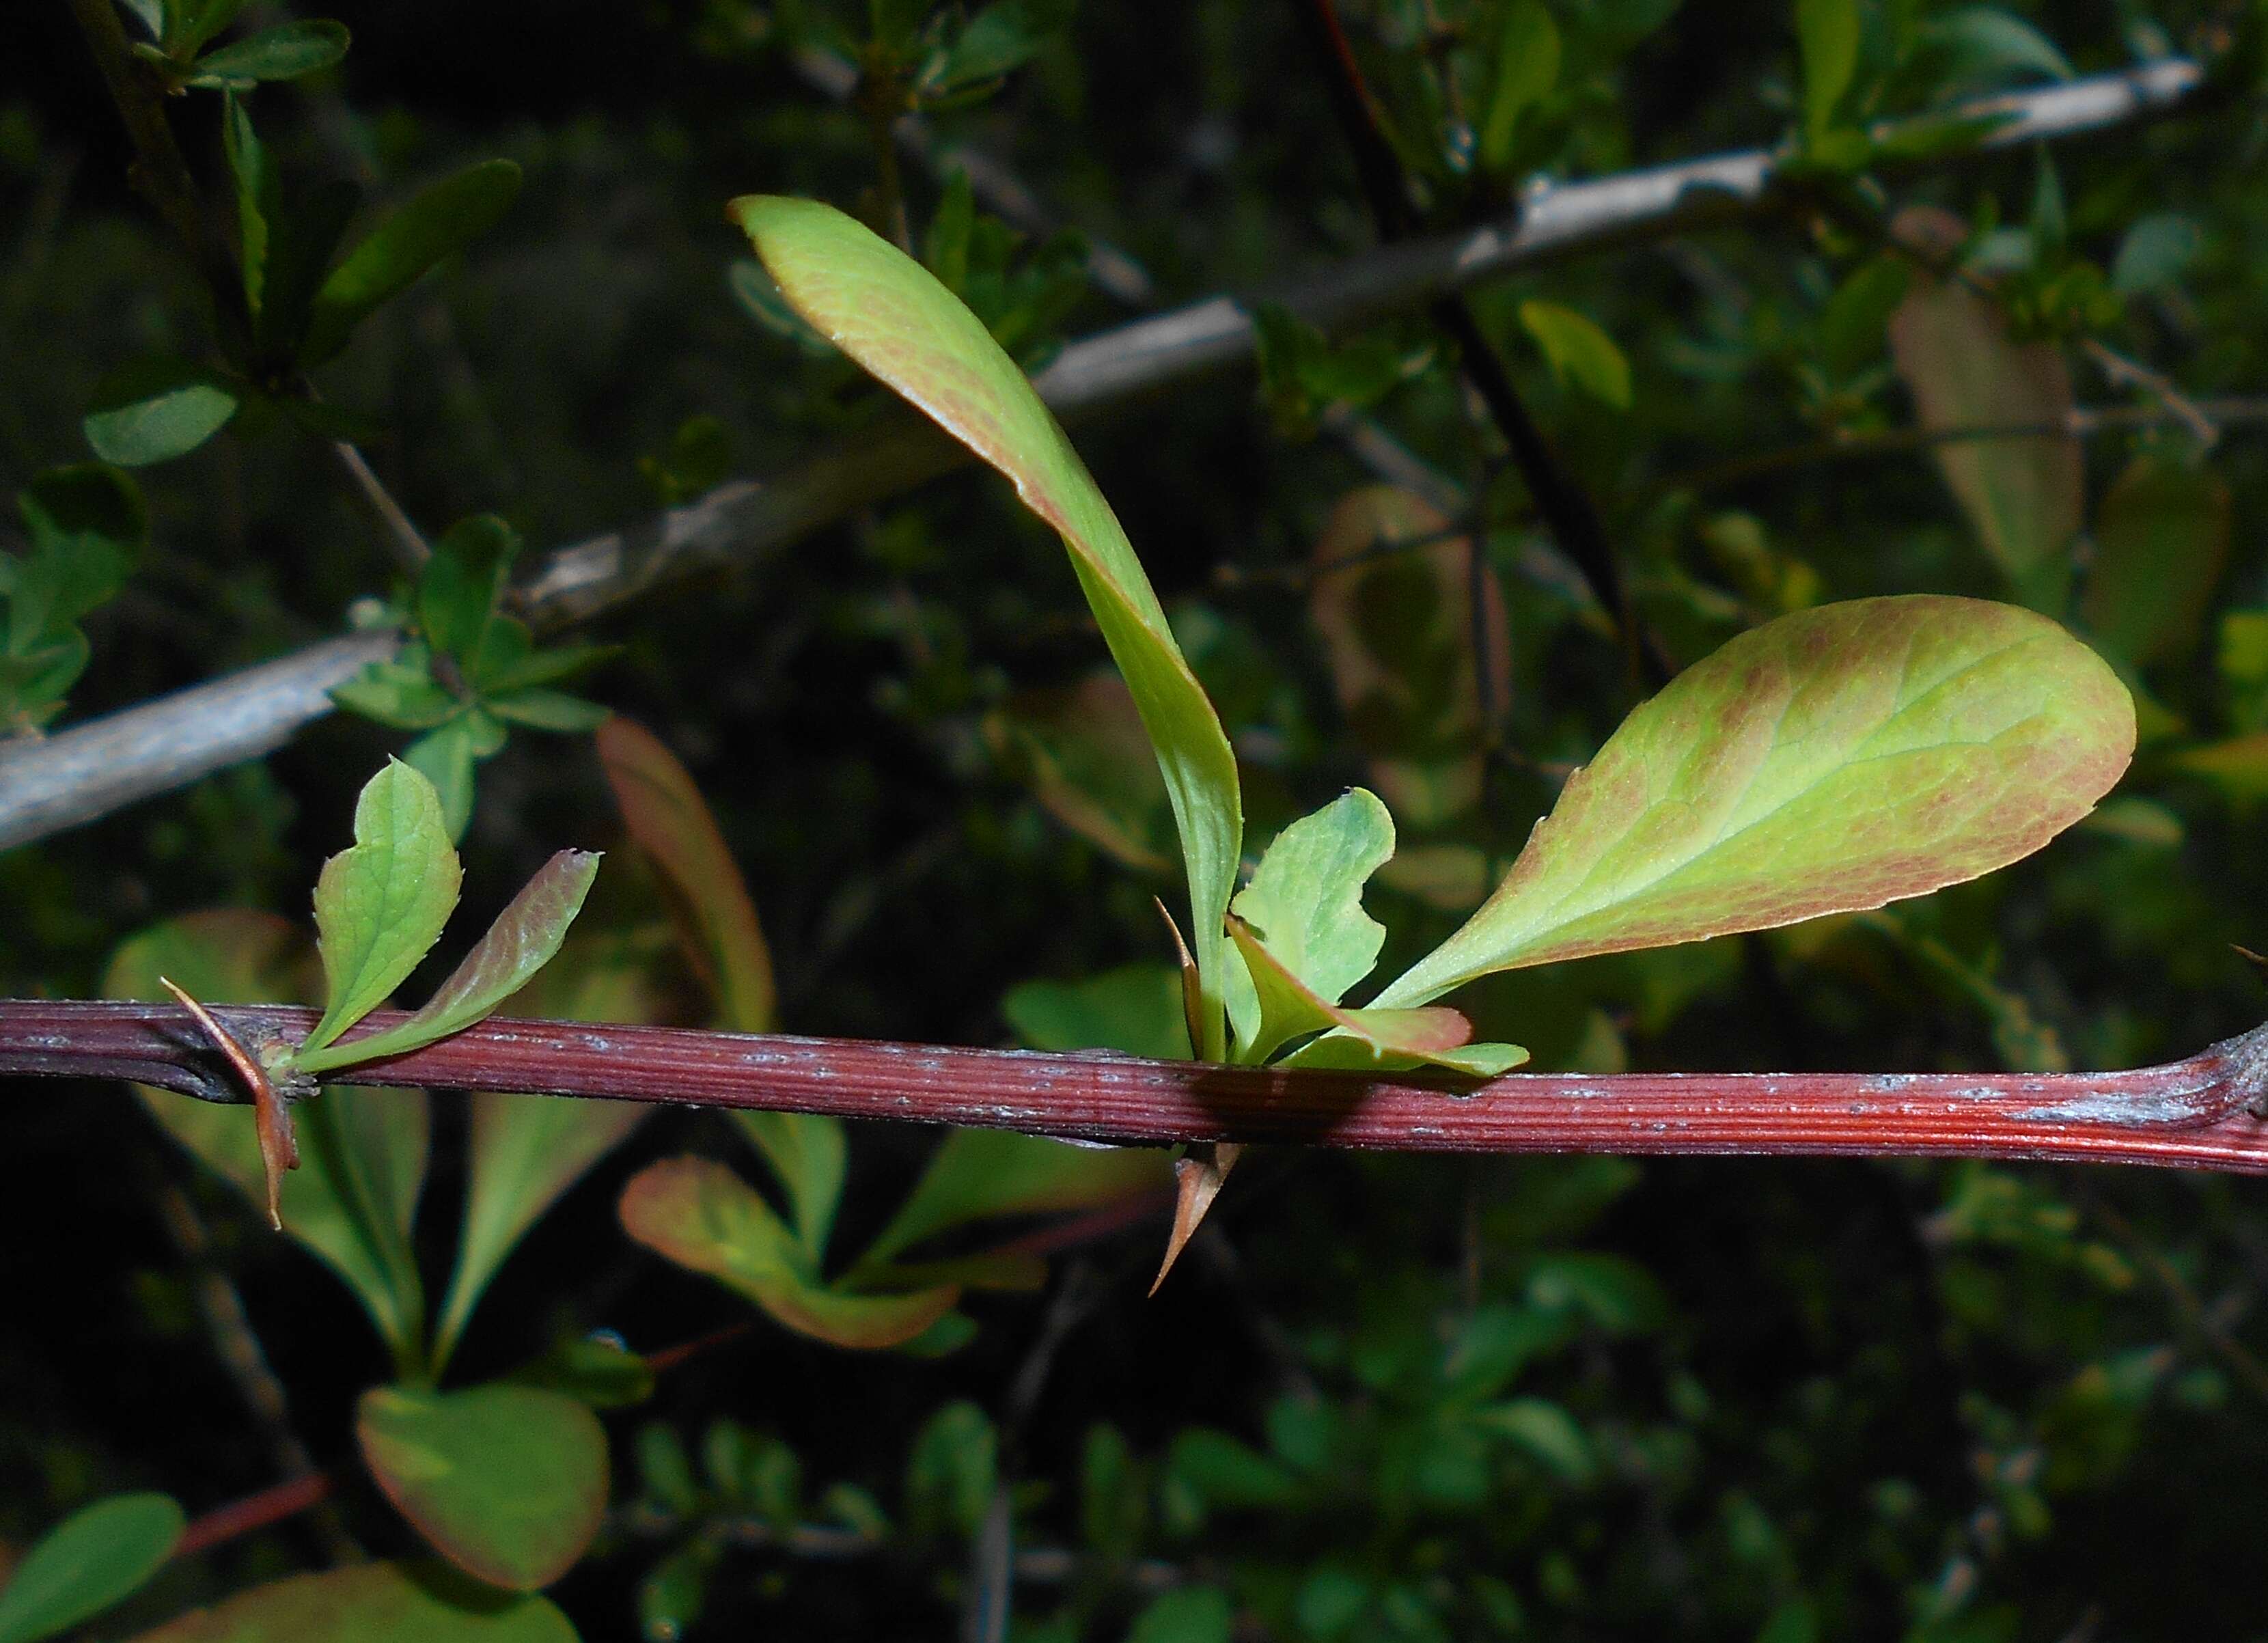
x=521, y=942
x=889, y=313
x=1832, y=760
x=1376, y=1040
x=447, y=756
x=364, y=1151
x=380, y=906
x=441, y=220
x=1579, y=352
x=301, y=46
x=509, y=1482
x=99, y=1556
x=459, y=588
x=2160, y=538
x=152, y=411
x=698, y=1213
x=372, y=1603
x=2023, y=496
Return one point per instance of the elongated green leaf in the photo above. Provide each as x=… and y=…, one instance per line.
x=351, y=1199
x=509, y=1482
x=379, y=905
x=521, y=942
x=303, y=46
x=1835, y=759
x=698, y=1213
x=2160, y=538
x=887, y=312
x=809, y=1157
x=2023, y=496
x=99, y=1556
x=372, y=1603
x=152, y=410
x=980, y=1174
x=442, y=219
x=1828, y=31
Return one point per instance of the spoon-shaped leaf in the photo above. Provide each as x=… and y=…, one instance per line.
x=521, y=942
x=379, y=905
x=1834, y=759
x=372, y=1603
x=888, y=312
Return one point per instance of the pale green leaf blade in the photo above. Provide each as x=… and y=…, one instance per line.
x=1527, y=67
x=2022, y=497
x=2161, y=539
x=521, y=942
x=372, y=1603
x=1135, y=1009
x=1305, y=899
x=363, y=1159
x=509, y=1482
x=1377, y=1039
x=809, y=1156
x=380, y=904
x=152, y=410
x=891, y=315
x=100, y=1555
x=981, y=1174
x=286, y=52
x=698, y=1213
x=1833, y=760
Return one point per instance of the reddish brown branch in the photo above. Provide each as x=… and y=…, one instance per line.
x=264, y=1510
x=2198, y=1113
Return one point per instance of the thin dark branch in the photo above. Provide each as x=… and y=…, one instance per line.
x=271, y=1507
x=2200, y=1113
x=89, y=770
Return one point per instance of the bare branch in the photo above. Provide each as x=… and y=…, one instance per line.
x=89, y=770
x=2202, y=1113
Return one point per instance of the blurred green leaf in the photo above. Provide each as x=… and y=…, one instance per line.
x=509, y=1482
x=1965, y=735
x=1579, y=352
x=700, y=1214
x=1826, y=31
x=439, y=221
x=1527, y=68
x=2161, y=539
x=951, y=1469
x=1084, y=754
x=981, y=1175
x=1546, y=1433
x=1135, y=1009
x=1985, y=46
x=446, y=757
x=458, y=590
x=286, y=52
x=372, y=1603
x=2155, y=252
x=596, y=1370
x=99, y=1556
x=999, y=39
x=154, y=410
x=1192, y=1614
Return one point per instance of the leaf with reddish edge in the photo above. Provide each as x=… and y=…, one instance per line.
x=700, y=1214
x=521, y=942
x=2160, y=538
x=97, y=1557
x=372, y=1603
x=2023, y=496
x=509, y=1482
x=1399, y=631
x=891, y=315
x=365, y=1151
x=1378, y=1040
x=716, y=919
x=1828, y=761
x=670, y=824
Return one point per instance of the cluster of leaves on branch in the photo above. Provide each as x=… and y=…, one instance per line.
x=1925, y=498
